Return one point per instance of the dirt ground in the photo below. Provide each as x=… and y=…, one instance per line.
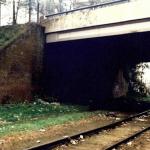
x=140, y=143
x=107, y=138
x=28, y=139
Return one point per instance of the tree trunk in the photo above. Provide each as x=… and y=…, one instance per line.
x=30, y=8
x=18, y=6
x=14, y=14
x=0, y=14
x=38, y=11
x=60, y=6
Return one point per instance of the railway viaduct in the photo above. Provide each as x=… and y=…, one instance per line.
x=89, y=50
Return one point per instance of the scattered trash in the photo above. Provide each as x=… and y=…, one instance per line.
x=99, y=115
x=74, y=142
x=139, y=119
x=55, y=103
x=64, y=146
x=42, y=102
x=34, y=103
x=38, y=141
x=111, y=114
x=81, y=137
x=42, y=130
x=148, y=140
x=12, y=127
x=2, y=142
x=117, y=118
x=3, y=122
x=20, y=138
x=129, y=143
x=66, y=136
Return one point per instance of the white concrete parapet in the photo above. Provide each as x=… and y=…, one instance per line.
x=103, y=21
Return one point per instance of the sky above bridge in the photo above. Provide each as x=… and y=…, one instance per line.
x=7, y=14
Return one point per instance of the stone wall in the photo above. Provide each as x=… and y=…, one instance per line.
x=21, y=66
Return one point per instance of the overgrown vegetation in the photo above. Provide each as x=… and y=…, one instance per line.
x=136, y=85
x=10, y=33
x=35, y=116
x=146, y=98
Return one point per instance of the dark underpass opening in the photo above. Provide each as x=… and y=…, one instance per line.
x=85, y=71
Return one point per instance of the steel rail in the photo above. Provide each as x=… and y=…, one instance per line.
x=116, y=145
x=88, y=7
x=52, y=144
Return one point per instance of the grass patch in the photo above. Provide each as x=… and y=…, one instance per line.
x=146, y=98
x=139, y=98
x=10, y=33
x=29, y=117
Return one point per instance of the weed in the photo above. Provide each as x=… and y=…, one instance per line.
x=27, y=117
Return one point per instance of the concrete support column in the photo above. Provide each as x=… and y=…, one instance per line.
x=120, y=85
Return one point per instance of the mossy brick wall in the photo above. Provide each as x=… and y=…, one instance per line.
x=21, y=66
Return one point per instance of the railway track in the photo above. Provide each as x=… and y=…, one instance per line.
x=104, y=138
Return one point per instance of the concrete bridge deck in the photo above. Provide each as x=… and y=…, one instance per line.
x=90, y=52
x=120, y=17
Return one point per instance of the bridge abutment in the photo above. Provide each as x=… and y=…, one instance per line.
x=21, y=64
